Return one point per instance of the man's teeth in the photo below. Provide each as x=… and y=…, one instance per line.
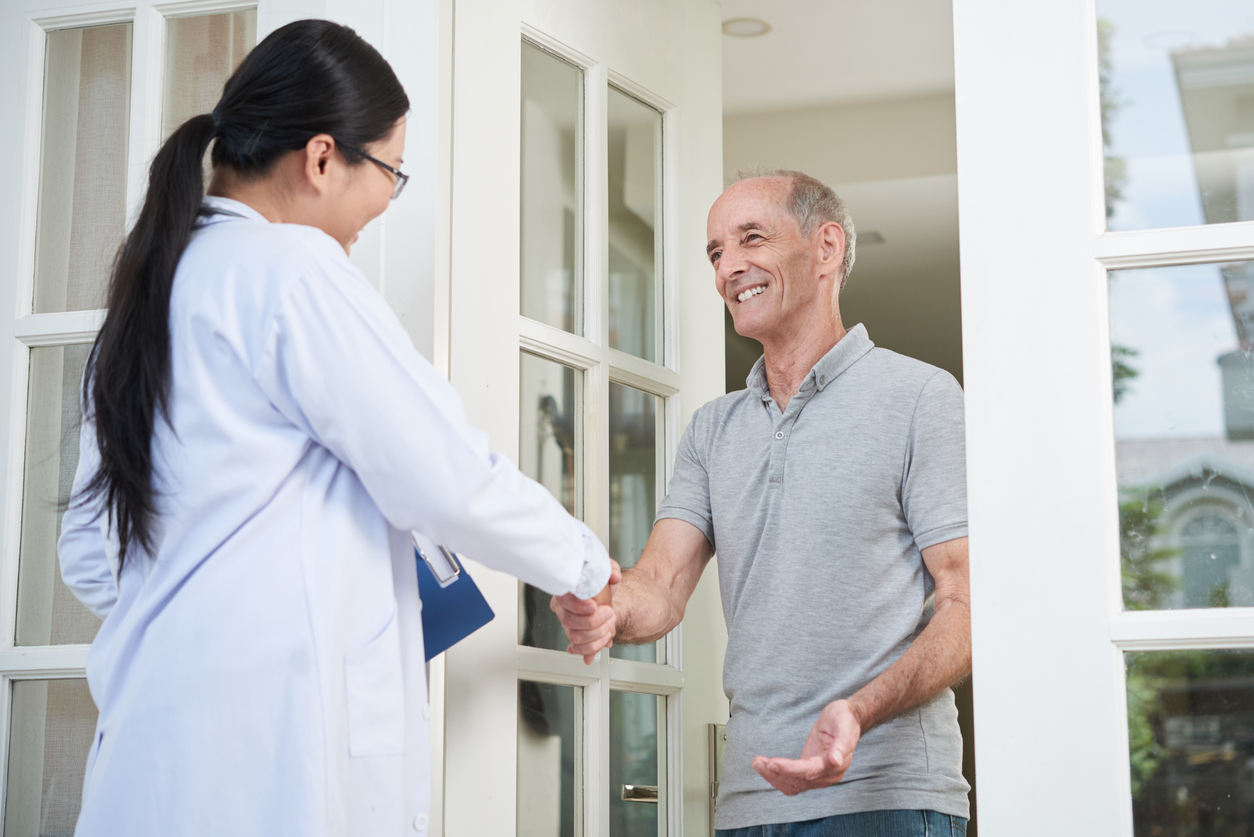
x=752, y=292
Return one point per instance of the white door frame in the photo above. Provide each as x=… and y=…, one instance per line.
x=632, y=45
x=1049, y=630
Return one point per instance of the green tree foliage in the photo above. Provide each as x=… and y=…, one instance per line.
x=1145, y=751
x=1116, y=169
x=1145, y=585
x=1144, y=582
x=1122, y=370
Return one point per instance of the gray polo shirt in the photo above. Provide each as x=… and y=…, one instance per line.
x=818, y=516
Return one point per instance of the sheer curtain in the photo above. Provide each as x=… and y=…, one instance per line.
x=201, y=54
x=82, y=188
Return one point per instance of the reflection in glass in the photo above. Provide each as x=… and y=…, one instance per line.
x=201, y=52
x=549, y=746
x=549, y=452
x=1191, y=738
x=635, y=176
x=634, y=437
x=552, y=93
x=47, y=612
x=1177, y=104
x=50, y=735
x=637, y=747
x=82, y=180
x=1183, y=370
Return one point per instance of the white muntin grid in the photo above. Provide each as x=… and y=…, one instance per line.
x=596, y=366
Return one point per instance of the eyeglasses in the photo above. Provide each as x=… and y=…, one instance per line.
x=401, y=179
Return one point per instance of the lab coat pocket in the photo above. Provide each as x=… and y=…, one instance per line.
x=376, y=696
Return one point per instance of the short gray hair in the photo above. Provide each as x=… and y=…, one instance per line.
x=812, y=202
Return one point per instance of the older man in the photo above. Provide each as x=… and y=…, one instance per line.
x=834, y=490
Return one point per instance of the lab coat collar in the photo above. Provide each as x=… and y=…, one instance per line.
x=231, y=208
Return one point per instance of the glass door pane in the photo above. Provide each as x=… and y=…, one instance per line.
x=201, y=53
x=1177, y=84
x=47, y=612
x=634, y=441
x=552, y=190
x=82, y=184
x=635, y=178
x=50, y=733
x=549, y=451
x=637, y=748
x=1191, y=736
x=550, y=741
x=1182, y=342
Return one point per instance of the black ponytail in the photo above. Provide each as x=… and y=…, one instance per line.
x=307, y=78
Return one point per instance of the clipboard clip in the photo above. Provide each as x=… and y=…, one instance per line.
x=446, y=571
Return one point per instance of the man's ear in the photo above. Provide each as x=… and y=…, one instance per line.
x=318, y=157
x=830, y=245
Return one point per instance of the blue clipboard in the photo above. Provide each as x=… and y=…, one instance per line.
x=453, y=608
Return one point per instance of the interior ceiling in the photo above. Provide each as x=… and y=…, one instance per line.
x=829, y=51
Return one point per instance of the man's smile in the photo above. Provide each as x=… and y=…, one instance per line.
x=750, y=293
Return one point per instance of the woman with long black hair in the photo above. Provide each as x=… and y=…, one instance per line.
x=259, y=440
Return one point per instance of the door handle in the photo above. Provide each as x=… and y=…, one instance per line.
x=640, y=793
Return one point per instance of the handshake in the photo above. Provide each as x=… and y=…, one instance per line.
x=590, y=624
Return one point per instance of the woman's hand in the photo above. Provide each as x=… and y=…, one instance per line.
x=590, y=623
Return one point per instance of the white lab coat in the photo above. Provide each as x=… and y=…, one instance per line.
x=262, y=672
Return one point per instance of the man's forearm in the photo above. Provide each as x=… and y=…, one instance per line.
x=938, y=658
x=645, y=608
x=650, y=599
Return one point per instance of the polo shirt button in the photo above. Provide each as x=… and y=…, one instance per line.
x=779, y=434
x=420, y=822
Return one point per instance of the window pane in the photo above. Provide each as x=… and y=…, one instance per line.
x=51, y=729
x=201, y=53
x=549, y=451
x=1191, y=737
x=637, y=747
x=1177, y=94
x=1183, y=375
x=552, y=205
x=635, y=168
x=47, y=612
x=82, y=185
x=549, y=748
x=634, y=438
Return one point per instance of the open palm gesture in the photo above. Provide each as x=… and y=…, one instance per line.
x=826, y=756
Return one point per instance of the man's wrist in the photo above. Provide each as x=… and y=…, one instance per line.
x=861, y=712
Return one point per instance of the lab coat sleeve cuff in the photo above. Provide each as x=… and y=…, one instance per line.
x=596, y=567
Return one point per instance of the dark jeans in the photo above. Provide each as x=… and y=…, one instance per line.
x=869, y=824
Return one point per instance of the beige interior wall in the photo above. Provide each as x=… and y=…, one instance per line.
x=896, y=162
x=851, y=143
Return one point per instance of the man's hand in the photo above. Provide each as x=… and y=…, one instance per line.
x=824, y=759
x=589, y=626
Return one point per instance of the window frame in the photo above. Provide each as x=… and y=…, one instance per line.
x=30, y=330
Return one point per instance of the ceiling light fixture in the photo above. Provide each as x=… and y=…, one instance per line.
x=746, y=27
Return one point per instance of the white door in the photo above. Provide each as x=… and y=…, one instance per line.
x=92, y=91
x=583, y=331
x=1106, y=184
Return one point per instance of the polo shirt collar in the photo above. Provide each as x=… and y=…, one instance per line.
x=848, y=351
